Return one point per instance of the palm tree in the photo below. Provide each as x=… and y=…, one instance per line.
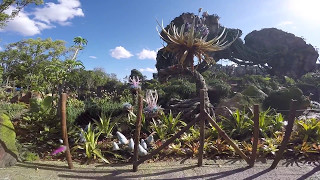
x=79, y=44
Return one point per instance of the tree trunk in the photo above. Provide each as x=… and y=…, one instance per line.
x=174, y=71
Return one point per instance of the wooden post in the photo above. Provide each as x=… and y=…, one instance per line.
x=255, y=134
x=202, y=123
x=156, y=151
x=292, y=115
x=137, y=132
x=64, y=128
x=226, y=137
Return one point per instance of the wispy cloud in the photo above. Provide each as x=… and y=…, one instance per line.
x=152, y=70
x=284, y=23
x=93, y=57
x=120, y=53
x=32, y=23
x=147, y=54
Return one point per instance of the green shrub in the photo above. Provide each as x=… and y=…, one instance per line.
x=281, y=99
x=74, y=109
x=29, y=156
x=13, y=110
x=43, y=112
x=7, y=134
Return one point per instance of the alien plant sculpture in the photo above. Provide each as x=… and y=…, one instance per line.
x=191, y=40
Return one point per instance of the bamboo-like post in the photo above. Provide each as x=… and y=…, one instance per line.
x=169, y=141
x=226, y=137
x=202, y=123
x=292, y=115
x=137, y=132
x=64, y=128
x=255, y=134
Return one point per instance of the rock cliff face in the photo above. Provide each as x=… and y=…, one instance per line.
x=8, y=149
x=288, y=54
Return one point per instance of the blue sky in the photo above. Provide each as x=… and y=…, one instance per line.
x=122, y=34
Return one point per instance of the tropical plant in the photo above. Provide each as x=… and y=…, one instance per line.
x=105, y=126
x=239, y=126
x=91, y=144
x=190, y=136
x=308, y=130
x=270, y=145
x=269, y=122
x=79, y=42
x=173, y=124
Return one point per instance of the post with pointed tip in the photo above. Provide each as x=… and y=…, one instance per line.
x=137, y=132
x=64, y=128
x=255, y=134
x=292, y=115
x=202, y=123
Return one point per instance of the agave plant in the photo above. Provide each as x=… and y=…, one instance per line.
x=190, y=40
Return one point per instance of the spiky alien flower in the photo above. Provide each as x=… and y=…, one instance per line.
x=151, y=100
x=135, y=82
x=190, y=40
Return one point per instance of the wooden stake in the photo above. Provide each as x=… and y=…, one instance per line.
x=137, y=132
x=292, y=115
x=64, y=128
x=255, y=135
x=202, y=123
x=226, y=137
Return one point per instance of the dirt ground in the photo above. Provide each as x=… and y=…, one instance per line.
x=179, y=169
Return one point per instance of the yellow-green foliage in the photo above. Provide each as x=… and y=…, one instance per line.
x=7, y=134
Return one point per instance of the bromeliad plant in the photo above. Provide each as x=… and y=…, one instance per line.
x=90, y=144
x=309, y=130
x=270, y=123
x=167, y=125
x=191, y=40
x=239, y=126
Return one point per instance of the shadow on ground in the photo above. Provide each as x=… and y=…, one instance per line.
x=186, y=169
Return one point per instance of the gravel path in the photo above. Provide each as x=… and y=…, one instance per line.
x=180, y=169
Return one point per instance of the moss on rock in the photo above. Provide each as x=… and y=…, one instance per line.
x=7, y=134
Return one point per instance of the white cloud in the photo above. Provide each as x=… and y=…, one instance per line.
x=154, y=70
x=147, y=54
x=23, y=24
x=61, y=12
x=93, y=57
x=284, y=23
x=120, y=53
x=29, y=24
x=1, y=48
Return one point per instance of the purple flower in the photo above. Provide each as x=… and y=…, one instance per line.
x=59, y=150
